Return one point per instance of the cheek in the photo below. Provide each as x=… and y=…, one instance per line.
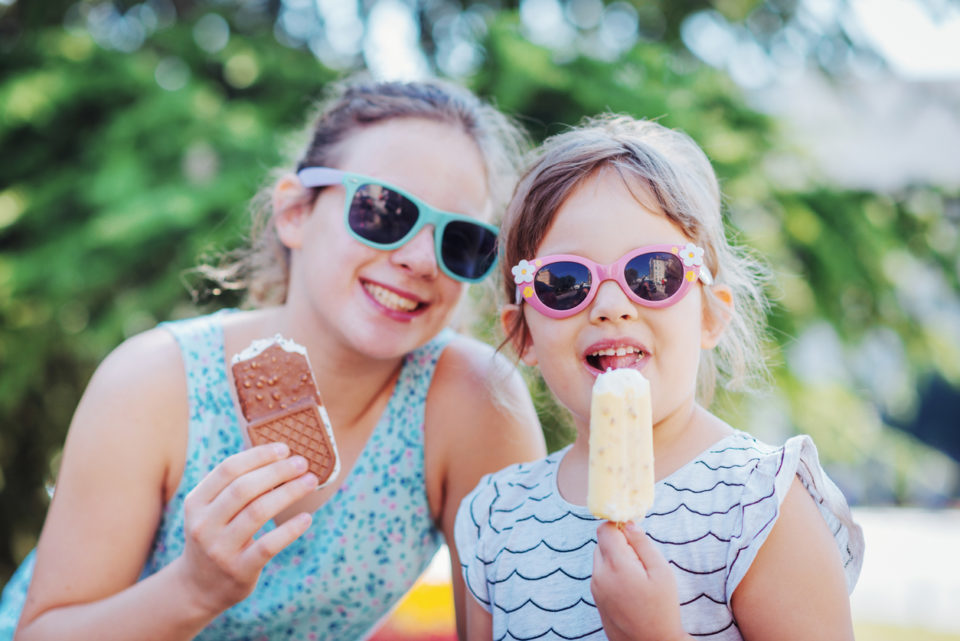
x=680, y=331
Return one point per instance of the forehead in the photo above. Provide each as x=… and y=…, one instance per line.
x=606, y=216
x=436, y=161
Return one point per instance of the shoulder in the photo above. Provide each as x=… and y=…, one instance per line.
x=132, y=419
x=483, y=394
x=478, y=418
x=785, y=489
x=467, y=362
x=497, y=494
x=797, y=585
x=469, y=371
x=137, y=393
x=520, y=478
x=149, y=363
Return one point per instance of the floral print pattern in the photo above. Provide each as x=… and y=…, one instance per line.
x=366, y=545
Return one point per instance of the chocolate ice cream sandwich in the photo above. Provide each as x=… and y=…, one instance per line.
x=279, y=398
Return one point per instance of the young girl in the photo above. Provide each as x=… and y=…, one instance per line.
x=165, y=526
x=616, y=257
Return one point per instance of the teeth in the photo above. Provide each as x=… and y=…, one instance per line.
x=617, y=351
x=390, y=299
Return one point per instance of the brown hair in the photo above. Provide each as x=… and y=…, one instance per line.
x=679, y=182
x=262, y=267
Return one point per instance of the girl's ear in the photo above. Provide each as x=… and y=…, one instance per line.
x=291, y=206
x=716, y=316
x=509, y=314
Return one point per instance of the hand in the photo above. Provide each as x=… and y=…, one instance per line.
x=634, y=587
x=221, y=559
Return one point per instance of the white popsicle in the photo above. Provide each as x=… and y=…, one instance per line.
x=620, y=475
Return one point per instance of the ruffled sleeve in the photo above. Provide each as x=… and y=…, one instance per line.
x=765, y=488
x=472, y=519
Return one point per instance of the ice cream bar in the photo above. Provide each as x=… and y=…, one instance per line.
x=280, y=400
x=620, y=475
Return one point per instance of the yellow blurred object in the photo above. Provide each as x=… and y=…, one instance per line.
x=426, y=612
x=426, y=609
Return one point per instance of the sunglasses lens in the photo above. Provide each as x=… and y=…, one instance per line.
x=562, y=285
x=468, y=250
x=381, y=215
x=655, y=276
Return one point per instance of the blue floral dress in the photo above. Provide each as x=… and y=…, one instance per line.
x=366, y=545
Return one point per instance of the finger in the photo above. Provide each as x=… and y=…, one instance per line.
x=643, y=547
x=246, y=488
x=265, y=507
x=598, y=560
x=272, y=543
x=235, y=466
x=614, y=546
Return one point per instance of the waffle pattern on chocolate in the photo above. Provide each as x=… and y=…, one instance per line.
x=279, y=399
x=302, y=429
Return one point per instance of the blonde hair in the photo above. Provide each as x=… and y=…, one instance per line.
x=679, y=182
x=261, y=269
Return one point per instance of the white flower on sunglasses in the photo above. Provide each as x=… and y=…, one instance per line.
x=523, y=272
x=691, y=255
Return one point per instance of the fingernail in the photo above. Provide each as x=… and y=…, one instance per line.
x=281, y=449
x=309, y=479
x=299, y=462
x=632, y=526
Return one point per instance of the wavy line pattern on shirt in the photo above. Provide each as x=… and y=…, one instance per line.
x=693, y=511
x=546, y=632
x=703, y=595
x=516, y=507
x=538, y=578
x=532, y=548
x=535, y=563
x=726, y=467
x=704, y=490
x=710, y=634
x=559, y=518
x=699, y=572
x=693, y=540
x=544, y=608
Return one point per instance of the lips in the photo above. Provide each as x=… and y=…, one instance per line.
x=391, y=299
x=615, y=355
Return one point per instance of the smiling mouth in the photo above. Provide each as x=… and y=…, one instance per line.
x=615, y=357
x=390, y=299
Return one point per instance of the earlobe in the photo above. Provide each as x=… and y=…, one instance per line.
x=521, y=341
x=716, y=316
x=291, y=206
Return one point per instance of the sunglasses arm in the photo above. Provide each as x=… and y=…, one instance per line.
x=320, y=176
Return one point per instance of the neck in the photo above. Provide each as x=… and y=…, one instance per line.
x=350, y=383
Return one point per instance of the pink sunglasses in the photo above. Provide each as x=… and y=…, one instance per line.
x=562, y=285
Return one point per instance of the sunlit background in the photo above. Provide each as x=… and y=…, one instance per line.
x=135, y=132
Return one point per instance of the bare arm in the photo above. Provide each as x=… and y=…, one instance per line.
x=479, y=419
x=123, y=454
x=479, y=622
x=795, y=588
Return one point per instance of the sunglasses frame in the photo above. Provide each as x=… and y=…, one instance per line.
x=427, y=215
x=689, y=255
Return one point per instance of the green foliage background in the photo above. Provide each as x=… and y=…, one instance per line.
x=111, y=187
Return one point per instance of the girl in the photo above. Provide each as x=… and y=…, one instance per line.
x=164, y=526
x=616, y=257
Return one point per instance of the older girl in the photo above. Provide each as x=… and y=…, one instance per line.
x=164, y=526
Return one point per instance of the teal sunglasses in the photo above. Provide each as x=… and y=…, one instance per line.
x=385, y=217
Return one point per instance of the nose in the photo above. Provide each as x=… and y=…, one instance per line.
x=611, y=304
x=418, y=255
